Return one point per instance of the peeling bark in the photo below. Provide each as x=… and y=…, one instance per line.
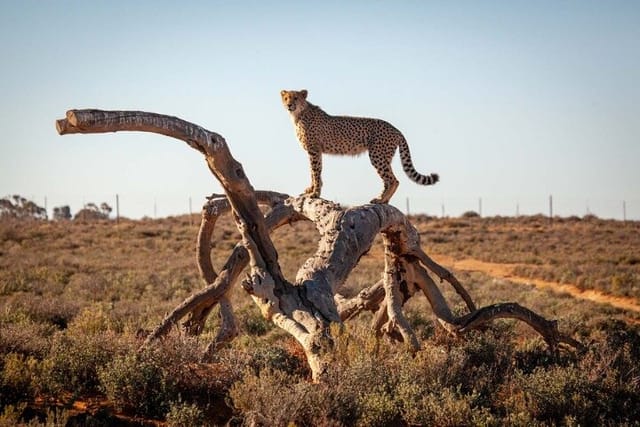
x=306, y=307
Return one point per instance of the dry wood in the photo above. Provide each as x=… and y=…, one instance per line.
x=306, y=307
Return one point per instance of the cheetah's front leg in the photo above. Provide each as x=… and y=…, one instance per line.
x=315, y=162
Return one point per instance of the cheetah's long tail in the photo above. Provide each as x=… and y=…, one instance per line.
x=410, y=170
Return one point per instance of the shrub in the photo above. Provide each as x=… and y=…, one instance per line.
x=167, y=377
x=183, y=414
x=11, y=414
x=54, y=311
x=550, y=395
x=75, y=359
x=611, y=369
x=49, y=417
x=16, y=384
x=254, y=323
x=277, y=358
x=26, y=337
x=377, y=408
x=136, y=383
x=277, y=398
x=443, y=407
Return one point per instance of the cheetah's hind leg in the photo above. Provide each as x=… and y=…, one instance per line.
x=389, y=188
x=382, y=163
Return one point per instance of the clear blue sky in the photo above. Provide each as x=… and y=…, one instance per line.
x=508, y=101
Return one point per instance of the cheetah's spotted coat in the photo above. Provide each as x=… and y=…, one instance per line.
x=319, y=132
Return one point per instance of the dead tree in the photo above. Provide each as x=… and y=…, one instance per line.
x=306, y=307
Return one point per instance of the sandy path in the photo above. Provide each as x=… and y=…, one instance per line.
x=505, y=271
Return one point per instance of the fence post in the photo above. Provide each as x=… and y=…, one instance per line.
x=190, y=213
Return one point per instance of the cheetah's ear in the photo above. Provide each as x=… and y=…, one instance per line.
x=283, y=92
x=303, y=92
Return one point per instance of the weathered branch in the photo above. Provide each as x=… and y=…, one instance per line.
x=100, y=121
x=368, y=299
x=277, y=298
x=511, y=310
x=445, y=275
x=216, y=206
x=306, y=307
x=393, y=271
x=200, y=303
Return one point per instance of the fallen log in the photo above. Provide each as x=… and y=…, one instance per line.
x=307, y=306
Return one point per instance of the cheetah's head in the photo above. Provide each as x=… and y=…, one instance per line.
x=294, y=100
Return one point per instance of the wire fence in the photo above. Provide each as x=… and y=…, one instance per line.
x=136, y=206
x=124, y=205
x=550, y=205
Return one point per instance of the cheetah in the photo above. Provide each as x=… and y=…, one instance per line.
x=319, y=132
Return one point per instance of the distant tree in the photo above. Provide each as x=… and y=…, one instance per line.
x=61, y=213
x=470, y=214
x=18, y=207
x=106, y=209
x=92, y=212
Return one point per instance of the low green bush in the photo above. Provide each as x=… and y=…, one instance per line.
x=74, y=360
x=183, y=414
x=253, y=323
x=26, y=337
x=137, y=383
x=277, y=358
x=16, y=383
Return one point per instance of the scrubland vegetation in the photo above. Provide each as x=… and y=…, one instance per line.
x=590, y=253
x=77, y=298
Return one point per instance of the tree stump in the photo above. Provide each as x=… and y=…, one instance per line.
x=307, y=306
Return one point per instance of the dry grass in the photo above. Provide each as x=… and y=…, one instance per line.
x=73, y=297
x=590, y=253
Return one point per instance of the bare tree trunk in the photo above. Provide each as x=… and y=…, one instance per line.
x=306, y=307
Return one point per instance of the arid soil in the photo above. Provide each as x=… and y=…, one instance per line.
x=506, y=272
